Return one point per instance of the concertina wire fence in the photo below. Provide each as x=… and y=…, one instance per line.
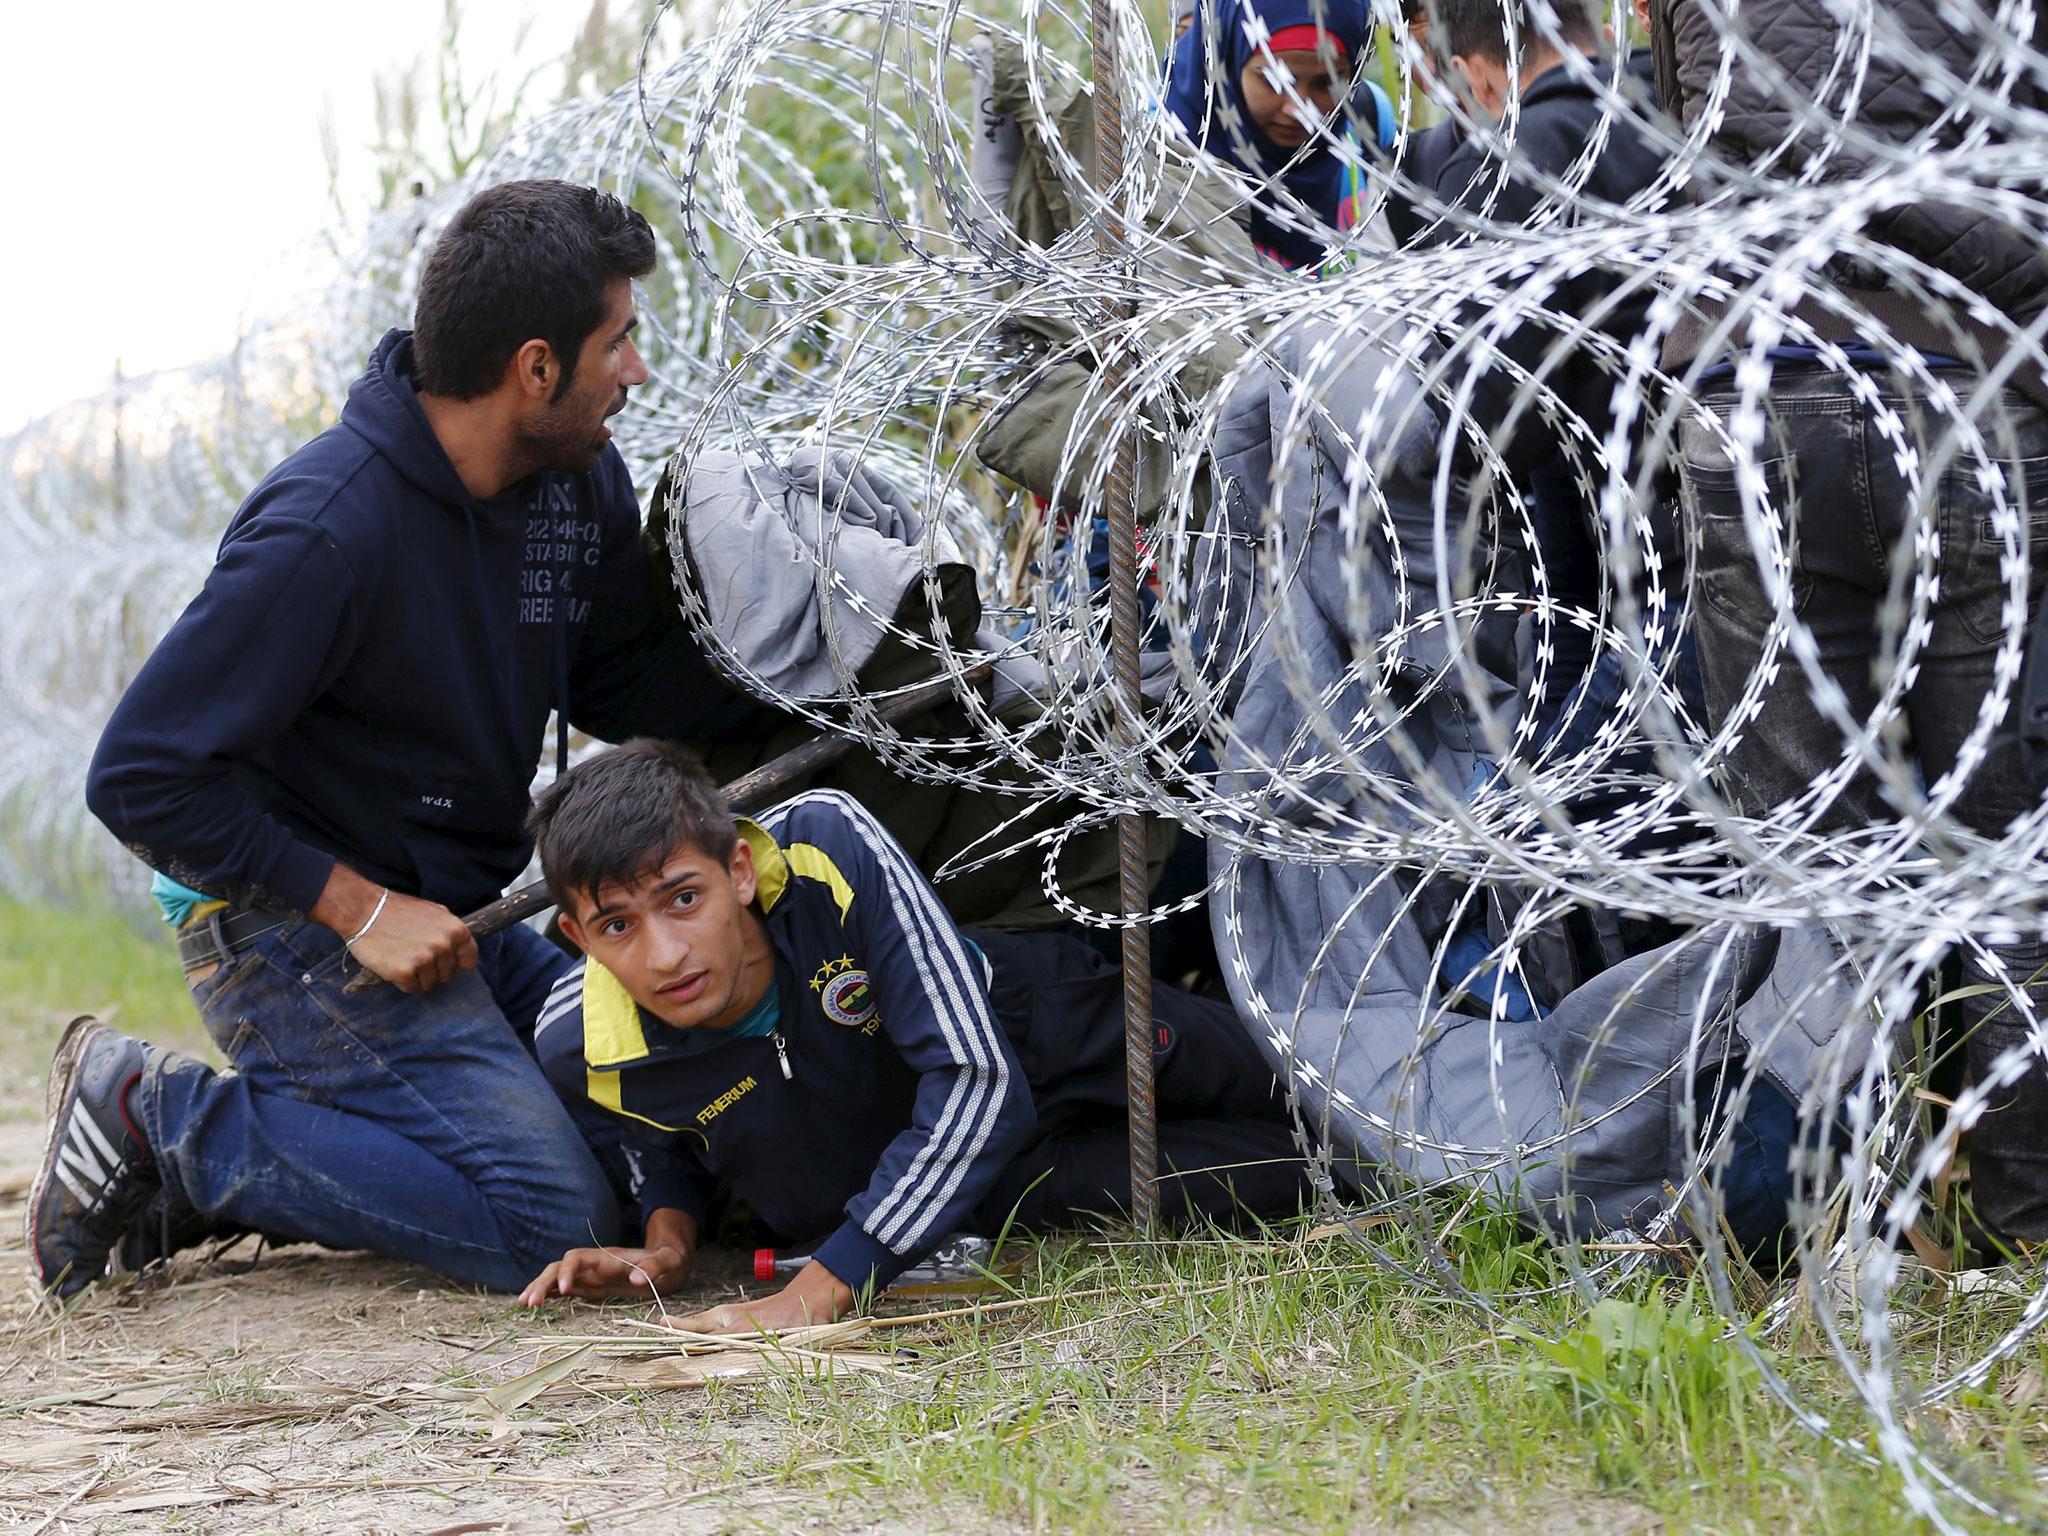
x=1318, y=603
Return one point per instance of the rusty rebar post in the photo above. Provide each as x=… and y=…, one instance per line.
x=1120, y=491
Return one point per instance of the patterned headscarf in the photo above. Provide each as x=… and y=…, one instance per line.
x=1249, y=30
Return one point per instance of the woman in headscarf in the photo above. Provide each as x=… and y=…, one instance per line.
x=1277, y=60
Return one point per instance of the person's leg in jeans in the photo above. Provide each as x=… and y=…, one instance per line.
x=1819, y=498
x=1818, y=495
x=2008, y=1148
x=1856, y=515
x=521, y=968
x=417, y=1126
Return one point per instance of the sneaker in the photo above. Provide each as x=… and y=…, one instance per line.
x=96, y=1175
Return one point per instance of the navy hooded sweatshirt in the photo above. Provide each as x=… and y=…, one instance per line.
x=368, y=672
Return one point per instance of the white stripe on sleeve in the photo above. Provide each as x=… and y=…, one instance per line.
x=950, y=977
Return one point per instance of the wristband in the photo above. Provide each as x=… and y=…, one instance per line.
x=375, y=912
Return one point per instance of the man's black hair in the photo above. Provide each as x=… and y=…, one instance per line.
x=1481, y=26
x=617, y=817
x=521, y=260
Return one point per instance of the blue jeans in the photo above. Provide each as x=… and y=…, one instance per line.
x=1756, y=1185
x=417, y=1126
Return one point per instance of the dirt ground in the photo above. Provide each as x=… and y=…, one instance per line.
x=336, y=1392
x=295, y=1389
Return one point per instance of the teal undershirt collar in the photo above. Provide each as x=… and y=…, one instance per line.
x=762, y=1020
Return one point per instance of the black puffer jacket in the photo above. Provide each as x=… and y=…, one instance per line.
x=1827, y=105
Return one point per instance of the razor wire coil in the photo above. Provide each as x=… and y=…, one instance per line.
x=892, y=315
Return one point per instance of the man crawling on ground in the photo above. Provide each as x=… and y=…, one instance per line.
x=783, y=1011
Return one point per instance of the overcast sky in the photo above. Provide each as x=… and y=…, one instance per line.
x=160, y=162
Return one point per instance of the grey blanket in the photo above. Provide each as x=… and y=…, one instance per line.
x=802, y=566
x=818, y=577
x=1340, y=963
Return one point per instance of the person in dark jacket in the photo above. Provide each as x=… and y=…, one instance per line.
x=783, y=1010
x=1824, y=122
x=1863, y=468
x=1425, y=150
x=327, y=758
x=1565, y=112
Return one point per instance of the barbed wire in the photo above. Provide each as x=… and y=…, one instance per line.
x=1352, y=616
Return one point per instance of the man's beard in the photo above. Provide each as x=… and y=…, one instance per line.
x=560, y=441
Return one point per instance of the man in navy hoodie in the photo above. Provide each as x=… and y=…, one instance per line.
x=1577, y=122
x=328, y=756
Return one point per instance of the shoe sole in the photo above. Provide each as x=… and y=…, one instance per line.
x=56, y=1098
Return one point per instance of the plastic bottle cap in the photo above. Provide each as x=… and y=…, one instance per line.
x=764, y=1263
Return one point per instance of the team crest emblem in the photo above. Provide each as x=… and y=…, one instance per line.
x=848, y=1000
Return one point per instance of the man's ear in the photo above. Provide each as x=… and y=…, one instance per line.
x=571, y=929
x=1485, y=81
x=745, y=878
x=537, y=370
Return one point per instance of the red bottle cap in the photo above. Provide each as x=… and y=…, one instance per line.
x=764, y=1263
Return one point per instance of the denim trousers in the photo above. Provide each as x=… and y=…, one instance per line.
x=417, y=1125
x=1850, y=528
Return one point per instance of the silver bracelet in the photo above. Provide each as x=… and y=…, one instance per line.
x=375, y=912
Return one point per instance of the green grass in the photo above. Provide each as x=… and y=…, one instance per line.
x=1290, y=1385
x=56, y=963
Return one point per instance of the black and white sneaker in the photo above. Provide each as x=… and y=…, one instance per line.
x=96, y=1175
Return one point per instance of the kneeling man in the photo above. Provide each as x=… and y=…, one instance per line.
x=784, y=1011
x=327, y=758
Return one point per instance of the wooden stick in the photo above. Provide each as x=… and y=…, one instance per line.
x=76, y=1494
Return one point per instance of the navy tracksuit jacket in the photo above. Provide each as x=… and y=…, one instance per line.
x=932, y=1083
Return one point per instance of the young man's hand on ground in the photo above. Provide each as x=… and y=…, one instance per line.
x=816, y=1295
x=413, y=944
x=599, y=1274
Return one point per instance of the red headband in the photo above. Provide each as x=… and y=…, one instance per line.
x=1305, y=37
